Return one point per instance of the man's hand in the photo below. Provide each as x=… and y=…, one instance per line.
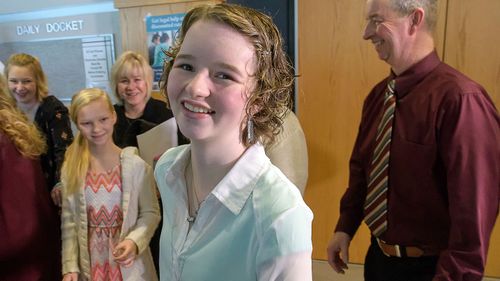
x=338, y=251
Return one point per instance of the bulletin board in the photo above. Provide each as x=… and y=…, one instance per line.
x=70, y=64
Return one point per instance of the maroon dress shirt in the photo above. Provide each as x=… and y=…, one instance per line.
x=444, y=167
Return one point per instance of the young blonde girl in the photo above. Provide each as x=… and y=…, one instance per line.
x=110, y=210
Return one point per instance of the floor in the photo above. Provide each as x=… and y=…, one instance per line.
x=323, y=272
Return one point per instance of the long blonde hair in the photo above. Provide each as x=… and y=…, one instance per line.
x=77, y=157
x=26, y=137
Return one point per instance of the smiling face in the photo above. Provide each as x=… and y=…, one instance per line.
x=132, y=87
x=209, y=82
x=389, y=32
x=22, y=85
x=95, y=122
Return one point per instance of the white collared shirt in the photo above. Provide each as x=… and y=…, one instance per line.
x=254, y=225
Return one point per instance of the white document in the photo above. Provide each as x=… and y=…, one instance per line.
x=153, y=143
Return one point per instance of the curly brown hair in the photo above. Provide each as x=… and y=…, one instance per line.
x=270, y=100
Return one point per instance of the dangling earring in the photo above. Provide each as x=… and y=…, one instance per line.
x=250, y=133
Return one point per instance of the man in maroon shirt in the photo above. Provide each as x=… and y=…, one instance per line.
x=443, y=170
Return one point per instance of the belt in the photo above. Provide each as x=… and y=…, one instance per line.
x=404, y=251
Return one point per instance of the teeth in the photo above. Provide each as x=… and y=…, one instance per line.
x=196, y=109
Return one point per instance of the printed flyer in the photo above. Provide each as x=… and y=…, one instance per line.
x=162, y=31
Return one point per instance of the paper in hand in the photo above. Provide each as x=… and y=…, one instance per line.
x=156, y=141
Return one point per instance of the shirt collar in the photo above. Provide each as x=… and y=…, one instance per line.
x=407, y=80
x=237, y=185
x=235, y=188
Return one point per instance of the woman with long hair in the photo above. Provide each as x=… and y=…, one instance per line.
x=26, y=212
x=28, y=86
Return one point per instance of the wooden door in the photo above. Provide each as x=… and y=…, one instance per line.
x=472, y=47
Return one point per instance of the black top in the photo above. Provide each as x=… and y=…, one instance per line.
x=53, y=120
x=126, y=129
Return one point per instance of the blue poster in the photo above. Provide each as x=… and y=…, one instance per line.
x=162, y=31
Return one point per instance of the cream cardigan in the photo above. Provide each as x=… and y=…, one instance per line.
x=289, y=152
x=141, y=216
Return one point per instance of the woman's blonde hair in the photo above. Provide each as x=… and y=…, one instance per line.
x=126, y=63
x=77, y=156
x=33, y=64
x=26, y=137
x=269, y=101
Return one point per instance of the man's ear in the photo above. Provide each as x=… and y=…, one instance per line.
x=416, y=19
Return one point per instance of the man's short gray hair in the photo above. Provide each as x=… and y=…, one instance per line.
x=406, y=7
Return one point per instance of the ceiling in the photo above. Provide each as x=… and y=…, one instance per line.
x=26, y=6
x=27, y=10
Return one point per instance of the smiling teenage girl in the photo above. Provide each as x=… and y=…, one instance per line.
x=229, y=214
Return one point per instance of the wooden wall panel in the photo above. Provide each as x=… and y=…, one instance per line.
x=132, y=20
x=472, y=47
x=337, y=70
x=472, y=42
x=439, y=33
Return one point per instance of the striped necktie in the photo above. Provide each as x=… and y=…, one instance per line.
x=375, y=207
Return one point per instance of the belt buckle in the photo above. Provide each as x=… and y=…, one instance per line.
x=397, y=248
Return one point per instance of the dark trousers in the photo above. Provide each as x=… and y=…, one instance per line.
x=154, y=244
x=379, y=267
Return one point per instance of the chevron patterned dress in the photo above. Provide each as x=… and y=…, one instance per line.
x=103, y=194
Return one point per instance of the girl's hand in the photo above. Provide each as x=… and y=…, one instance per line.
x=72, y=276
x=125, y=253
x=56, y=195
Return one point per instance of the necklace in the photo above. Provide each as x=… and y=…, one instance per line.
x=194, y=202
x=196, y=199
